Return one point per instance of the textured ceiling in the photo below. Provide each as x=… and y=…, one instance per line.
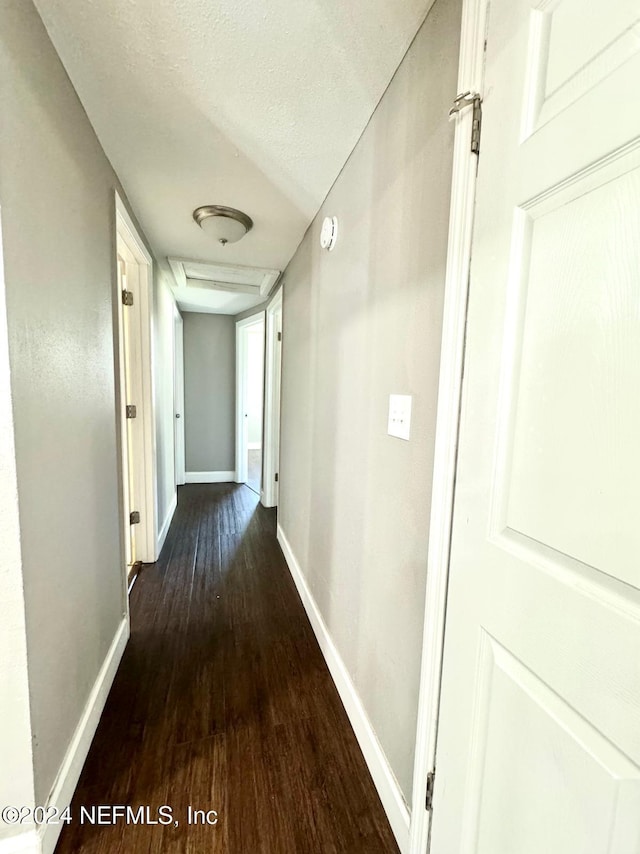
x=254, y=104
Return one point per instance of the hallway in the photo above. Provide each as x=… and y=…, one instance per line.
x=223, y=702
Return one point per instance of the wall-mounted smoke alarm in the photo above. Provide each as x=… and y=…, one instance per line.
x=329, y=233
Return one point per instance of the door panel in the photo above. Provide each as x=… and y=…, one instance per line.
x=575, y=392
x=551, y=744
x=539, y=736
x=574, y=46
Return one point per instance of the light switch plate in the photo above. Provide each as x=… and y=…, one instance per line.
x=399, y=416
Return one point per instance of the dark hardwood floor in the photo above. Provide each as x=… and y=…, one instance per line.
x=223, y=702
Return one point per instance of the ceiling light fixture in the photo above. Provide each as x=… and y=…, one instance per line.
x=226, y=225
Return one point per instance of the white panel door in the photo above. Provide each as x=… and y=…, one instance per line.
x=539, y=735
x=132, y=428
x=277, y=381
x=178, y=397
x=273, y=379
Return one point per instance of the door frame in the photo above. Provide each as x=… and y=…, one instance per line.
x=242, y=327
x=178, y=396
x=463, y=191
x=146, y=472
x=273, y=376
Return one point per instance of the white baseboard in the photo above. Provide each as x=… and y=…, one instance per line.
x=379, y=768
x=210, y=477
x=76, y=755
x=162, y=534
x=27, y=842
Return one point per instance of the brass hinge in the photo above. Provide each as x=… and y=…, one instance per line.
x=470, y=99
x=127, y=297
x=276, y=477
x=131, y=410
x=134, y=517
x=431, y=779
x=279, y=336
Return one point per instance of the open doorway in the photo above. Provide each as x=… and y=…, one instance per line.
x=250, y=400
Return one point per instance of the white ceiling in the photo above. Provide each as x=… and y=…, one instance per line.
x=255, y=104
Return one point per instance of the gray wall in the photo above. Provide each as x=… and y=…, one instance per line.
x=209, y=392
x=249, y=312
x=361, y=322
x=56, y=194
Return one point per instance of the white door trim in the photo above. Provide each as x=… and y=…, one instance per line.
x=242, y=326
x=470, y=79
x=147, y=474
x=273, y=362
x=178, y=395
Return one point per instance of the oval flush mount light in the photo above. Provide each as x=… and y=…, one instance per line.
x=225, y=225
x=329, y=232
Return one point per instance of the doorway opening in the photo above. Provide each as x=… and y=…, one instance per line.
x=135, y=397
x=250, y=401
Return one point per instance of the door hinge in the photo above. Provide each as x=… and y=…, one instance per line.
x=134, y=517
x=131, y=410
x=431, y=779
x=127, y=297
x=279, y=336
x=470, y=99
x=276, y=477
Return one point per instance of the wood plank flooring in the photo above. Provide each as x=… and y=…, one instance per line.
x=223, y=702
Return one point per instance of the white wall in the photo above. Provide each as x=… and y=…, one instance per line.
x=362, y=322
x=57, y=198
x=255, y=382
x=16, y=759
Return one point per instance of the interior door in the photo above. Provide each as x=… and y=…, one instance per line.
x=132, y=431
x=538, y=746
x=178, y=395
x=277, y=380
x=272, y=392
